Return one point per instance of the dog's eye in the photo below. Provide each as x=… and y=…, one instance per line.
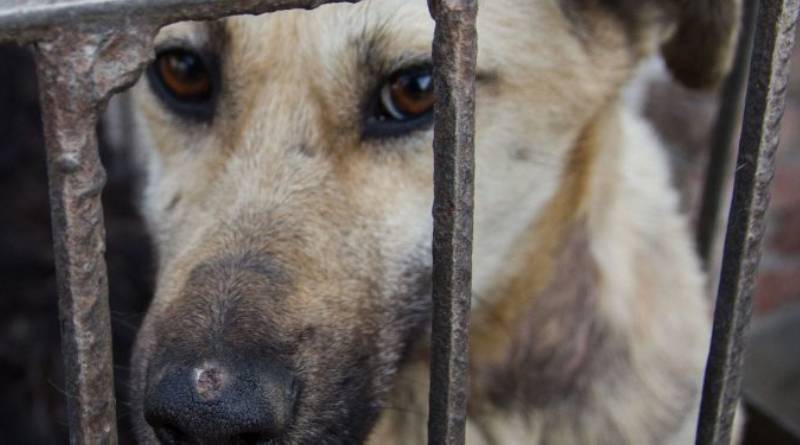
x=184, y=75
x=404, y=104
x=184, y=80
x=407, y=95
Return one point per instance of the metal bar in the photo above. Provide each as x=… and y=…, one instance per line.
x=728, y=118
x=766, y=93
x=30, y=20
x=76, y=74
x=76, y=182
x=454, y=55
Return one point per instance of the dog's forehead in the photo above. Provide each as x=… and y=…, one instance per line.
x=398, y=27
x=327, y=31
x=335, y=36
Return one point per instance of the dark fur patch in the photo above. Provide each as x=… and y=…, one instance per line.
x=558, y=344
x=173, y=203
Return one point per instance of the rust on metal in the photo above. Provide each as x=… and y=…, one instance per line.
x=755, y=168
x=454, y=55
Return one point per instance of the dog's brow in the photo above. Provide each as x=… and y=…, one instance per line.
x=373, y=44
x=211, y=36
x=376, y=56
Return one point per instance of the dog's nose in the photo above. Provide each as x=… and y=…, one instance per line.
x=215, y=404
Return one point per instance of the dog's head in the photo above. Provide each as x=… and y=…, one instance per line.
x=290, y=187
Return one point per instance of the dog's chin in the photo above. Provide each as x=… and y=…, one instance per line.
x=347, y=430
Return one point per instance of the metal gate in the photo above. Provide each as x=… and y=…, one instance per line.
x=89, y=49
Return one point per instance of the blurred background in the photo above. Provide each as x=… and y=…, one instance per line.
x=32, y=409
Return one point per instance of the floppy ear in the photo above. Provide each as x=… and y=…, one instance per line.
x=700, y=52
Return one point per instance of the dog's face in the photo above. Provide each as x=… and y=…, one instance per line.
x=290, y=190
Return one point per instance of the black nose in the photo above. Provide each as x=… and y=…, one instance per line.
x=212, y=403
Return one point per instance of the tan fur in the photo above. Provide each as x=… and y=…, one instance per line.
x=279, y=227
x=535, y=254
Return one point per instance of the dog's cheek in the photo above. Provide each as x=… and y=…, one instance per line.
x=341, y=370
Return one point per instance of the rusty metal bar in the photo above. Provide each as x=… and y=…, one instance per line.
x=77, y=74
x=30, y=20
x=454, y=55
x=755, y=167
x=76, y=182
x=728, y=118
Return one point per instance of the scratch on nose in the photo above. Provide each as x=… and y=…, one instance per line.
x=210, y=380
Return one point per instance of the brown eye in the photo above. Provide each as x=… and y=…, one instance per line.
x=407, y=95
x=184, y=80
x=402, y=105
x=184, y=75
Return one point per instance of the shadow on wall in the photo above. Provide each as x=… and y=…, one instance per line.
x=31, y=373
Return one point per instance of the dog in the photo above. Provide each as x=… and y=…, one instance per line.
x=288, y=190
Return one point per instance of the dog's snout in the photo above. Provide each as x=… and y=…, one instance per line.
x=219, y=403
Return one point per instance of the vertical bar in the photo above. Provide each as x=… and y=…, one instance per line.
x=454, y=55
x=65, y=70
x=728, y=117
x=769, y=76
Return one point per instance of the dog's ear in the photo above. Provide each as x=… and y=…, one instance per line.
x=700, y=51
x=697, y=37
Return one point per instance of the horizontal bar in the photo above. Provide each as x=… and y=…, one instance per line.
x=30, y=20
x=755, y=168
x=454, y=55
